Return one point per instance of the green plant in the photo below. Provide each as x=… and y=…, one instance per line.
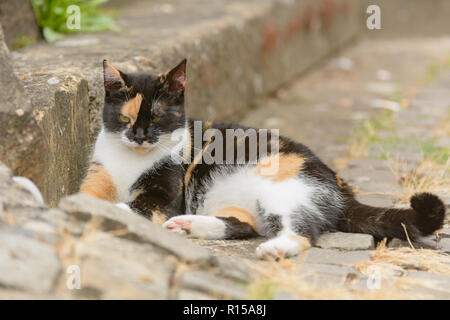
x=52, y=16
x=367, y=132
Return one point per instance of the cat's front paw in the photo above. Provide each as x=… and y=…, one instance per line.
x=193, y=226
x=178, y=225
x=283, y=246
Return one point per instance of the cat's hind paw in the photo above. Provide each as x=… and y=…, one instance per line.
x=193, y=226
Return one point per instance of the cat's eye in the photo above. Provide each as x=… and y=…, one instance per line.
x=124, y=119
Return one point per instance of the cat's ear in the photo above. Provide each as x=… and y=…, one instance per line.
x=112, y=77
x=175, y=79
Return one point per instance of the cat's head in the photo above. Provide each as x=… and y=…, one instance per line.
x=143, y=109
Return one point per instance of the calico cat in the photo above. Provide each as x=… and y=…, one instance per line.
x=136, y=162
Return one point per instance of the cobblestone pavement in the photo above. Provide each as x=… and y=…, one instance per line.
x=378, y=114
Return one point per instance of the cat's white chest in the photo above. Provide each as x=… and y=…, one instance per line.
x=124, y=165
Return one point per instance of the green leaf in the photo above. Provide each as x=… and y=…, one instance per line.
x=50, y=35
x=52, y=16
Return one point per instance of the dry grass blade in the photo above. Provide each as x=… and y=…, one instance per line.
x=427, y=176
x=409, y=259
x=407, y=236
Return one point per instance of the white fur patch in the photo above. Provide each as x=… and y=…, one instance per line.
x=244, y=189
x=201, y=227
x=125, y=165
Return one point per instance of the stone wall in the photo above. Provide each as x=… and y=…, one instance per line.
x=21, y=138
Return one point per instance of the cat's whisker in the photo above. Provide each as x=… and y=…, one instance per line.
x=172, y=153
x=156, y=100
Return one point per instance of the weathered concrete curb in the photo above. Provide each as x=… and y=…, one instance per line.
x=237, y=51
x=21, y=139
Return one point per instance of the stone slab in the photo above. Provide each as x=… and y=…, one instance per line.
x=27, y=264
x=424, y=243
x=115, y=268
x=334, y=256
x=346, y=241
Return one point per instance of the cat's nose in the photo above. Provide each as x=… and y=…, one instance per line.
x=139, y=137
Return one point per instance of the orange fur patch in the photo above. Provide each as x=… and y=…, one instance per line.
x=238, y=213
x=131, y=108
x=143, y=150
x=340, y=182
x=303, y=243
x=280, y=166
x=98, y=183
x=158, y=217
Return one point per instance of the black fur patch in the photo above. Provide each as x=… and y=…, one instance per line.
x=272, y=225
x=305, y=223
x=430, y=212
x=236, y=229
x=161, y=111
x=163, y=187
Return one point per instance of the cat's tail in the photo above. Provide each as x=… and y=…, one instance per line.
x=425, y=216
